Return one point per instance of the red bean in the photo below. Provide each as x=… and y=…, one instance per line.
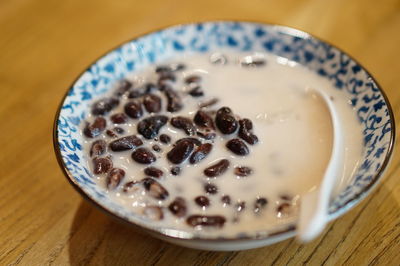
x=126, y=143
x=180, y=152
x=143, y=156
x=102, y=165
x=115, y=177
x=133, y=109
x=217, y=169
x=154, y=172
x=178, y=207
x=205, y=220
x=237, y=147
x=155, y=189
x=152, y=103
x=98, y=148
x=200, y=153
x=96, y=128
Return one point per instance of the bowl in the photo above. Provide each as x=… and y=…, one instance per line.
x=367, y=98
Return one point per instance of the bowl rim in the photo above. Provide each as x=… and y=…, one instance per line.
x=291, y=227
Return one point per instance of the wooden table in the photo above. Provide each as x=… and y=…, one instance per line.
x=45, y=44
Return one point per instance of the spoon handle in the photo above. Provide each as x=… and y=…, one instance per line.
x=315, y=204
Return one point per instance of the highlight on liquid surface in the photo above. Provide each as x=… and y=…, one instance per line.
x=219, y=144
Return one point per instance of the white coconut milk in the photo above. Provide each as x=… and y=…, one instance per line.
x=295, y=137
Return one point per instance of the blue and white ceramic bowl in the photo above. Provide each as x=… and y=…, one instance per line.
x=369, y=101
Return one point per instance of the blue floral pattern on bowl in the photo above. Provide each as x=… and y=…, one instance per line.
x=372, y=107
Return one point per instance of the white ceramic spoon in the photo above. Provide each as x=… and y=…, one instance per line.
x=314, y=204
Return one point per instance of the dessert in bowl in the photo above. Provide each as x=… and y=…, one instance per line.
x=206, y=135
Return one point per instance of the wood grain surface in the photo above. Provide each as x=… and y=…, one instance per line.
x=45, y=44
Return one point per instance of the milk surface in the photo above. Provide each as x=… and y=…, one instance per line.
x=293, y=126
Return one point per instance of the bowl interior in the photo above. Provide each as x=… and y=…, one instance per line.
x=369, y=102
